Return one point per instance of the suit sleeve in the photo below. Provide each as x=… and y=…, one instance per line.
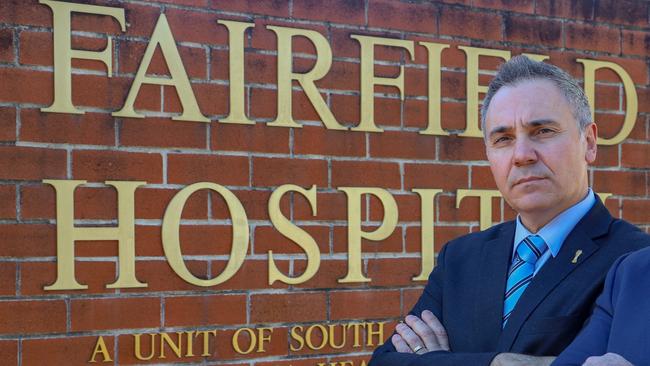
x=431, y=299
x=593, y=339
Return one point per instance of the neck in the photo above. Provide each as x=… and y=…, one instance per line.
x=534, y=221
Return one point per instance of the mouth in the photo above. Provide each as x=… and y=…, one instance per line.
x=528, y=179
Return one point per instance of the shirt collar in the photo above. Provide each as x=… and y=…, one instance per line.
x=555, y=232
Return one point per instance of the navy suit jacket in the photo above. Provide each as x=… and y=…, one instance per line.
x=466, y=289
x=621, y=319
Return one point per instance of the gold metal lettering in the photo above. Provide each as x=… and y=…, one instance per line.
x=332, y=342
x=190, y=343
x=308, y=337
x=236, y=32
x=485, y=203
x=434, y=51
x=632, y=102
x=63, y=52
x=286, y=76
x=162, y=35
x=355, y=234
x=427, y=197
x=473, y=87
x=67, y=234
x=171, y=234
x=235, y=341
x=100, y=348
x=206, y=340
x=357, y=333
x=176, y=348
x=295, y=335
x=604, y=196
x=293, y=232
x=371, y=332
x=369, y=80
x=263, y=338
x=138, y=347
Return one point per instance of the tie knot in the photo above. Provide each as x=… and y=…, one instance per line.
x=531, y=248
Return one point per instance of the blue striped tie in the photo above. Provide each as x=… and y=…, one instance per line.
x=521, y=271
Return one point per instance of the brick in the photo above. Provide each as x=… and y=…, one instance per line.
x=635, y=42
x=26, y=86
x=331, y=206
x=318, y=140
x=467, y=211
x=447, y=177
x=338, y=11
x=7, y=50
x=27, y=240
x=393, y=272
x=255, y=204
x=151, y=203
x=294, y=361
x=578, y=9
x=392, y=244
x=204, y=29
x=627, y=12
x=101, y=165
x=162, y=132
x=593, y=38
x=525, y=6
x=461, y=148
x=482, y=178
x=387, y=110
x=344, y=46
x=37, y=48
x=410, y=296
x=302, y=172
x=258, y=137
x=7, y=124
x=204, y=310
x=635, y=155
x=607, y=156
x=9, y=351
x=364, y=304
x=17, y=12
x=340, y=105
x=342, y=76
x=211, y=98
x=7, y=280
x=401, y=144
x=630, y=183
x=7, y=202
x=348, y=174
x=29, y=316
x=206, y=239
x=159, y=276
x=253, y=274
x=266, y=7
x=87, y=129
x=66, y=350
x=407, y=204
x=126, y=347
x=636, y=211
x=441, y=235
x=121, y=313
x=94, y=91
x=454, y=84
x=608, y=97
x=421, y=18
x=471, y=24
x=266, y=39
x=224, y=170
x=292, y=307
x=533, y=31
x=34, y=276
x=329, y=272
x=268, y=238
x=194, y=60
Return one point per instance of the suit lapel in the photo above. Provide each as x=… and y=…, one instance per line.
x=488, y=308
x=555, y=270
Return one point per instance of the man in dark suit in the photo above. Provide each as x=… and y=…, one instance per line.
x=619, y=328
x=521, y=290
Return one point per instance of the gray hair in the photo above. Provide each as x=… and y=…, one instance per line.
x=521, y=68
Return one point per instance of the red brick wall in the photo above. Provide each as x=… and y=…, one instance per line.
x=43, y=327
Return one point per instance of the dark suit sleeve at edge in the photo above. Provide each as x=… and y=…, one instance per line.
x=431, y=299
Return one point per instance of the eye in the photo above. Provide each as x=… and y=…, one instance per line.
x=501, y=139
x=544, y=131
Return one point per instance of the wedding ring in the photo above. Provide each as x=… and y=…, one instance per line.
x=416, y=349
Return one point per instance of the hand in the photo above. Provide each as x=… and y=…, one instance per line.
x=516, y=359
x=608, y=359
x=420, y=335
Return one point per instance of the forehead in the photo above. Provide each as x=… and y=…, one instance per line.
x=528, y=100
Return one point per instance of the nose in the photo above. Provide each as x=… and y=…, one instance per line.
x=524, y=152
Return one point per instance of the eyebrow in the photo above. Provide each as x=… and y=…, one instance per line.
x=530, y=124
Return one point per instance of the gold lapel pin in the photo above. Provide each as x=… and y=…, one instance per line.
x=575, y=258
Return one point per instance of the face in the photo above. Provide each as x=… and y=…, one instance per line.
x=537, y=154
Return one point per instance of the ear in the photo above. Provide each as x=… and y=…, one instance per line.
x=591, y=137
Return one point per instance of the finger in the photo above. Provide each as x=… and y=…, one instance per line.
x=400, y=344
x=592, y=361
x=412, y=339
x=437, y=328
x=424, y=332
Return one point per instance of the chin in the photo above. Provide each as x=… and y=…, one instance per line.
x=533, y=203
